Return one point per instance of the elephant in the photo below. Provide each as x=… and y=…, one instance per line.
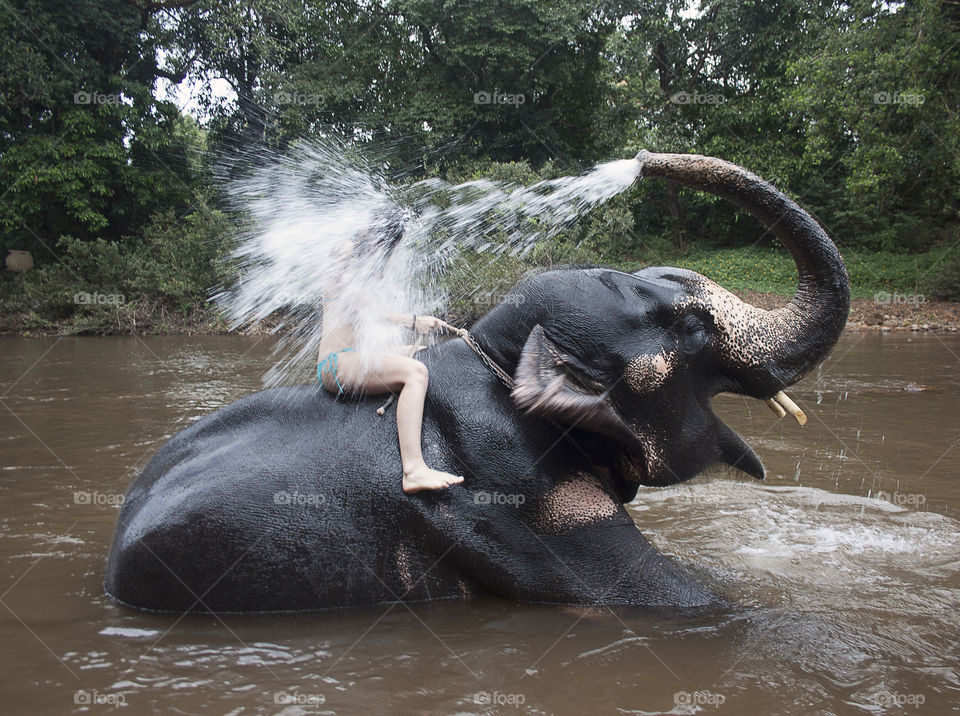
x=289, y=499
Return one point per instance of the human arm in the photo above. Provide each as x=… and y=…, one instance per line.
x=420, y=324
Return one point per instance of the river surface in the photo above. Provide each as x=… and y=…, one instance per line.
x=844, y=565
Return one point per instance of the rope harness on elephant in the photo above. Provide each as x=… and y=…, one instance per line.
x=463, y=333
x=506, y=378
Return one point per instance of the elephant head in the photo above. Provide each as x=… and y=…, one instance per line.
x=637, y=358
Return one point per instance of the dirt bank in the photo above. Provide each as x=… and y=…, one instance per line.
x=892, y=313
x=899, y=313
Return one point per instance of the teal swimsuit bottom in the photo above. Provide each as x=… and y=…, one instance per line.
x=329, y=365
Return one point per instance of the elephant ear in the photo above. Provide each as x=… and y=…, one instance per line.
x=546, y=384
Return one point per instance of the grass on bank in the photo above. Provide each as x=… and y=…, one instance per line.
x=164, y=287
x=771, y=270
x=935, y=274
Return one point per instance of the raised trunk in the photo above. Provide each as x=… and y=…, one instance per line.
x=774, y=349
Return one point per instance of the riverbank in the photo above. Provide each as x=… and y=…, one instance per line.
x=126, y=321
x=884, y=312
x=890, y=291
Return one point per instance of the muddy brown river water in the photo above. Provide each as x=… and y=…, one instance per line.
x=844, y=566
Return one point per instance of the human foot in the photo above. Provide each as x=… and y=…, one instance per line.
x=425, y=478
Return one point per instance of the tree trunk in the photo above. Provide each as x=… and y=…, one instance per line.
x=676, y=211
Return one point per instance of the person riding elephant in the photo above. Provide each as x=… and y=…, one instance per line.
x=343, y=370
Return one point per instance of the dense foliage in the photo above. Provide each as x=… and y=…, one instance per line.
x=851, y=107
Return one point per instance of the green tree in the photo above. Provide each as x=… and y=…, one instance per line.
x=506, y=80
x=881, y=100
x=851, y=107
x=86, y=149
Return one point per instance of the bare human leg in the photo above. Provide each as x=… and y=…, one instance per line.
x=410, y=378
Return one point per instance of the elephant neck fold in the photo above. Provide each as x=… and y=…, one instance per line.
x=501, y=334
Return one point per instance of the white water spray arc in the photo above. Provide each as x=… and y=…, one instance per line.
x=304, y=206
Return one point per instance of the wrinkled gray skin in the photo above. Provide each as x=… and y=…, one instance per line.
x=290, y=499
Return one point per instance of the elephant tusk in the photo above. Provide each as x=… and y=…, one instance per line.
x=775, y=407
x=789, y=406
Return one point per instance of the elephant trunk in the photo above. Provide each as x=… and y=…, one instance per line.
x=769, y=350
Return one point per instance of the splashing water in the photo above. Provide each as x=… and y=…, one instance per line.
x=311, y=210
x=500, y=217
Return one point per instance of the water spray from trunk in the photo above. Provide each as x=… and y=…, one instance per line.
x=303, y=207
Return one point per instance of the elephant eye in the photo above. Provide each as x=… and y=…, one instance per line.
x=693, y=335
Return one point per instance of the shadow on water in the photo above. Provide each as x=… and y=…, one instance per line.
x=844, y=567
